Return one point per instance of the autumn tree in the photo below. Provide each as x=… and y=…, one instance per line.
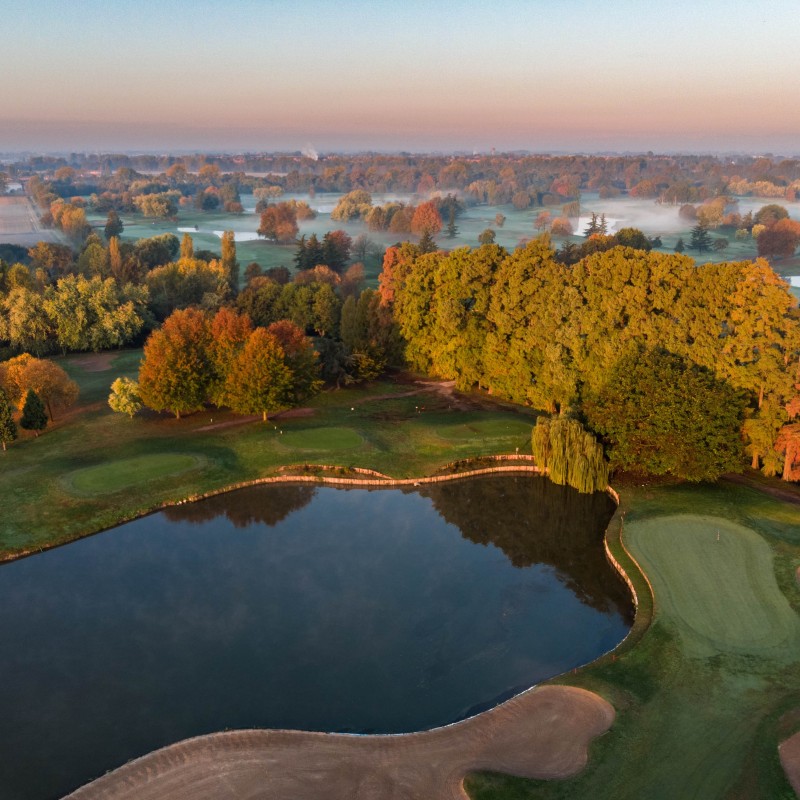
x=50, y=383
x=300, y=357
x=259, y=381
x=426, y=219
x=187, y=246
x=33, y=416
x=175, y=372
x=229, y=332
x=125, y=397
x=279, y=223
x=779, y=240
x=229, y=262
x=8, y=428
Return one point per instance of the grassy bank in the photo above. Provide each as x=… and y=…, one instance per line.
x=94, y=467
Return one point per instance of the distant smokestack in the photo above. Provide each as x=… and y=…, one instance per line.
x=309, y=152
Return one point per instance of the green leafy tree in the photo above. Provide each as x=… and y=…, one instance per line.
x=663, y=415
x=8, y=428
x=34, y=417
x=569, y=454
x=124, y=397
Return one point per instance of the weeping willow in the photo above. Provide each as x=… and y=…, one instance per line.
x=569, y=454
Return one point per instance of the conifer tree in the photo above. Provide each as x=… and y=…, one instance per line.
x=34, y=417
x=8, y=428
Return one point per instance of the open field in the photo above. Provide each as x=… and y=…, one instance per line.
x=19, y=223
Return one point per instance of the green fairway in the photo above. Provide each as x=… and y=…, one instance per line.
x=714, y=579
x=320, y=439
x=113, y=476
x=485, y=428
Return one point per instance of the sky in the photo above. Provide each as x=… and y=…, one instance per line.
x=350, y=75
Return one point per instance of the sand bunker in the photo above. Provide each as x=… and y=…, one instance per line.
x=790, y=760
x=543, y=733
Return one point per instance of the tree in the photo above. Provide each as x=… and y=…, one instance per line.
x=662, y=415
x=124, y=397
x=561, y=226
x=158, y=204
x=679, y=245
x=701, y=238
x=426, y=243
x=499, y=219
x=8, y=428
x=259, y=381
x=175, y=372
x=114, y=225
x=279, y=222
x=229, y=262
x=353, y=205
x=593, y=227
x=50, y=383
x=543, y=221
x=335, y=250
x=487, y=237
x=452, y=228
x=426, y=219
x=569, y=454
x=33, y=417
x=300, y=357
x=779, y=240
x=187, y=246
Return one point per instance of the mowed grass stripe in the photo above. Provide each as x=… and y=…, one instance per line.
x=114, y=476
x=715, y=580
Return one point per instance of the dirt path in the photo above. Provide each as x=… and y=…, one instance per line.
x=790, y=760
x=542, y=733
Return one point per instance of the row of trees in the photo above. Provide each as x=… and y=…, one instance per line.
x=505, y=178
x=195, y=359
x=528, y=328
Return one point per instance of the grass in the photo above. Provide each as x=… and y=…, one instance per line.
x=125, y=473
x=68, y=482
x=702, y=694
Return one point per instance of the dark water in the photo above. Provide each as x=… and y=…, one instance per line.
x=297, y=607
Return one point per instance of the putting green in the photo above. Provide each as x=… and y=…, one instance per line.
x=484, y=429
x=114, y=476
x=715, y=580
x=321, y=439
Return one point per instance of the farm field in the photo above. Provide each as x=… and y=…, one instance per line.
x=19, y=223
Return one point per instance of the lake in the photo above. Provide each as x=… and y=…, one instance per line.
x=297, y=606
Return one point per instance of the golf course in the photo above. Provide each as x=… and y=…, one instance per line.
x=706, y=685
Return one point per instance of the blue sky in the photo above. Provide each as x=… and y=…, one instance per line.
x=401, y=75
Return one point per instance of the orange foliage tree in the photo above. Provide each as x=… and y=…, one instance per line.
x=426, y=219
x=175, y=372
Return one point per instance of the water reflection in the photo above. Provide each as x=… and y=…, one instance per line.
x=354, y=610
